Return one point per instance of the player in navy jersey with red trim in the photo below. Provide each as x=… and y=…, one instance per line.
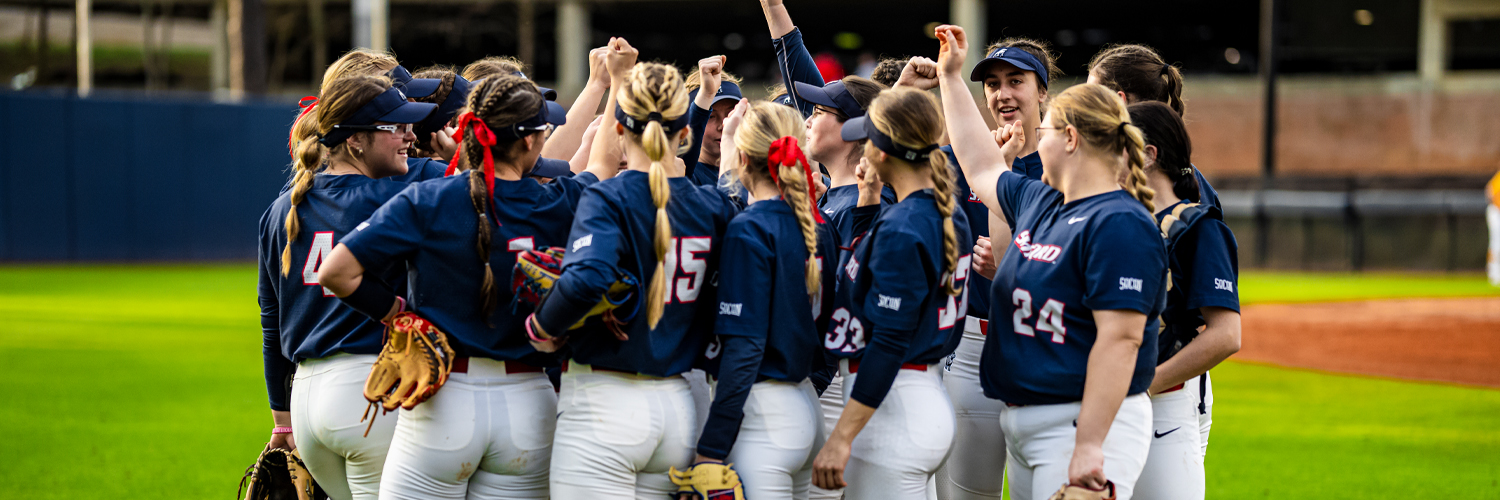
x=1205, y=273
x=363, y=127
x=488, y=432
x=720, y=92
x=774, y=285
x=1084, y=286
x=627, y=413
x=900, y=299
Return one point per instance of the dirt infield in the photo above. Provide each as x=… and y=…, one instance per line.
x=1448, y=340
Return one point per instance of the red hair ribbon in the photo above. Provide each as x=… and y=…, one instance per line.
x=785, y=151
x=307, y=107
x=486, y=138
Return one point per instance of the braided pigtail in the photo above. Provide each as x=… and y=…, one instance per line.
x=308, y=159
x=495, y=103
x=793, y=184
x=943, y=187
x=1134, y=143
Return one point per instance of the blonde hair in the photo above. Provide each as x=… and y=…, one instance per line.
x=1103, y=123
x=493, y=65
x=655, y=88
x=341, y=99
x=695, y=80
x=357, y=62
x=499, y=102
x=765, y=123
x=912, y=118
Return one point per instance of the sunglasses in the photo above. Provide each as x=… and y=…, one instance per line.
x=401, y=129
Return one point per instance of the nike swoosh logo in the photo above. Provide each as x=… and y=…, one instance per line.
x=1160, y=434
x=1077, y=219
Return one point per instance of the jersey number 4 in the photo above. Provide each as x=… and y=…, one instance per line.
x=322, y=245
x=1050, y=320
x=689, y=256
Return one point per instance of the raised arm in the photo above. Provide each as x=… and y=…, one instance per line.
x=604, y=159
x=980, y=157
x=568, y=137
x=777, y=18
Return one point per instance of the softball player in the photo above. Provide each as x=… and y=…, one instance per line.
x=1083, y=286
x=488, y=432
x=627, y=414
x=1015, y=74
x=1205, y=272
x=1138, y=73
x=899, y=299
x=765, y=418
x=714, y=93
x=363, y=131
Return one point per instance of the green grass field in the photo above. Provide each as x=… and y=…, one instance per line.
x=145, y=382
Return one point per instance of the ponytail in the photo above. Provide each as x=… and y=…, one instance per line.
x=654, y=141
x=1172, y=88
x=1134, y=143
x=943, y=186
x=306, y=161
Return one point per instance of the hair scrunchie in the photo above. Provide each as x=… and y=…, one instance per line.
x=786, y=151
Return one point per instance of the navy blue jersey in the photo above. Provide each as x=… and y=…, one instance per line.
x=796, y=65
x=1098, y=253
x=613, y=237
x=838, y=202
x=1205, y=273
x=979, y=220
x=417, y=170
x=700, y=173
x=299, y=318
x=768, y=324
x=890, y=308
x=432, y=227
x=1206, y=194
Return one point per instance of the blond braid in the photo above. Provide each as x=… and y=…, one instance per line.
x=943, y=186
x=309, y=157
x=794, y=192
x=656, y=88
x=1134, y=142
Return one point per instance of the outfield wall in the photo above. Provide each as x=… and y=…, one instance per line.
x=126, y=178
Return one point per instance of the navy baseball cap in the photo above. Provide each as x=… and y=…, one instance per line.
x=862, y=128
x=457, y=97
x=551, y=168
x=784, y=100
x=390, y=106
x=1016, y=57
x=833, y=95
x=401, y=79
x=727, y=91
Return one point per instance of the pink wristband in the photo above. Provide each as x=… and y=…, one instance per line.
x=531, y=332
x=281, y=430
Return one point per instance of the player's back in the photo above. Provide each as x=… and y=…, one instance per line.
x=314, y=324
x=615, y=229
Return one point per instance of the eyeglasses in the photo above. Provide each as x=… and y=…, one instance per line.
x=401, y=129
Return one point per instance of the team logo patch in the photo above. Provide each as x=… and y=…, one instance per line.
x=728, y=309
x=1224, y=285
x=1040, y=253
x=1076, y=220
x=852, y=268
x=586, y=240
x=888, y=302
x=1130, y=284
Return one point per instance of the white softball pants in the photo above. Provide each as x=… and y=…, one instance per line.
x=832, y=405
x=781, y=433
x=617, y=434
x=896, y=454
x=1201, y=390
x=1492, y=258
x=484, y=435
x=1174, y=468
x=976, y=468
x=1039, y=440
x=327, y=401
